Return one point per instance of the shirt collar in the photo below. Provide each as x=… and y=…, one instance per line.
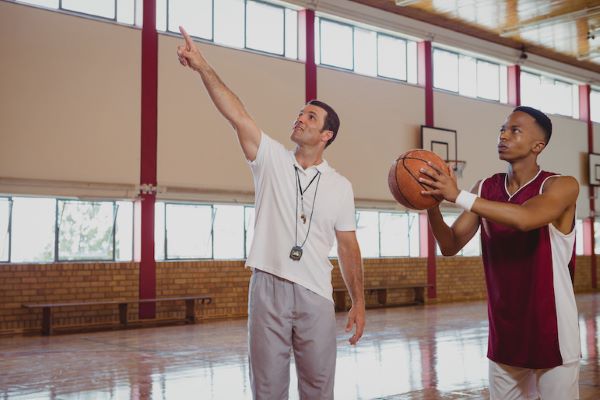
x=322, y=167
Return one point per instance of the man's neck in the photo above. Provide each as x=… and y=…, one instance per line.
x=308, y=157
x=519, y=173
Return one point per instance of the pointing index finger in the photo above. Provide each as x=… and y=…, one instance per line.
x=188, y=40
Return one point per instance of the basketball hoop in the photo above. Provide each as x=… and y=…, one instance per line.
x=457, y=166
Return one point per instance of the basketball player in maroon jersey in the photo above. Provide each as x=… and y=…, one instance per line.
x=527, y=219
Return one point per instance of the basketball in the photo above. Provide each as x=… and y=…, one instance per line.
x=403, y=179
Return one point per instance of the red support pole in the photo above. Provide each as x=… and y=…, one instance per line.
x=149, y=111
x=585, y=115
x=425, y=79
x=514, y=85
x=306, y=51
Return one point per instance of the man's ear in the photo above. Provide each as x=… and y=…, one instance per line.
x=538, y=147
x=326, y=135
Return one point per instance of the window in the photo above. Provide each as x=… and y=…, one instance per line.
x=579, y=237
x=596, y=237
x=291, y=33
x=195, y=16
x=117, y=10
x=391, y=57
x=387, y=234
x=50, y=230
x=445, y=70
x=42, y=3
x=595, y=105
x=100, y=8
x=249, y=228
x=229, y=22
x=126, y=11
x=85, y=230
x=336, y=42
x=469, y=76
x=229, y=232
x=367, y=233
x=32, y=229
x=488, y=84
x=550, y=95
x=399, y=233
x=188, y=231
x=467, y=71
x=364, y=51
x=124, y=231
x=265, y=23
x=159, y=230
x=472, y=248
x=5, y=206
x=251, y=24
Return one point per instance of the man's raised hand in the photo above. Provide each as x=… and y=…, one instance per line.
x=188, y=54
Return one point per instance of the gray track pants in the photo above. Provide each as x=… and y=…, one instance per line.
x=281, y=316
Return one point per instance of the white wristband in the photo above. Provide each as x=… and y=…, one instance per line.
x=465, y=200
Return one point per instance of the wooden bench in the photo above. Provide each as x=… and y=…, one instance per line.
x=339, y=295
x=190, y=308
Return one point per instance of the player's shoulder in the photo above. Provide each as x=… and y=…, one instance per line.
x=561, y=182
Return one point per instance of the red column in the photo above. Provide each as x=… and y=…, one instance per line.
x=147, y=276
x=306, y=51
x=585, y=115
x=514, y=85
x=425, y=79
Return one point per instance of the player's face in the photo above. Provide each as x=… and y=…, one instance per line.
x=308, y=127
x=519, y=137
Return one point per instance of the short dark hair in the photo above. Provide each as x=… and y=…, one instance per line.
x=332, y=121
x=542, y=120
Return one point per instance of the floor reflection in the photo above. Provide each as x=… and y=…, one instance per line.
x=431, y=352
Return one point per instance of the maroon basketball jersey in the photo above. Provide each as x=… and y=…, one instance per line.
x=531, y=304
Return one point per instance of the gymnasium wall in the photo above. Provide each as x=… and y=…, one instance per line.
x=70, y=98
x=380, y=119
x=197, y=147
x=70, y=111
x=458, y=278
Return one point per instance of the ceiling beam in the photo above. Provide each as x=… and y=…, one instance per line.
x=535, y=23
x=403, y=3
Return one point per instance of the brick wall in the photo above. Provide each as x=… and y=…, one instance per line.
x=54, y=283
x=458, y=279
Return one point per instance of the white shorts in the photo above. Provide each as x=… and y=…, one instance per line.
x=514, y=383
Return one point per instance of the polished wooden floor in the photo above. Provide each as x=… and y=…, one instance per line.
x=421, y=352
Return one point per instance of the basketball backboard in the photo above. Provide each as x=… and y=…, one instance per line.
x=594, y=168
x=442, y=142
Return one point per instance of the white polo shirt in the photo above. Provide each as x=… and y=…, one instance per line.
x=276, y=191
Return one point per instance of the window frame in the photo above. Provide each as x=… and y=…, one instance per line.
x=115, y=8
x=8, y=229
x=57, y=257
x=212, y=231
x=476, y=78
x=378, y=33
x=321, y=19
x=169, y=29
x=283, y=8
x=377, y=56
x=541, y=76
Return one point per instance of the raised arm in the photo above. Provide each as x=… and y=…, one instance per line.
x=556, y=205
x=228, y=104
x=452, y=239
x=351, y=267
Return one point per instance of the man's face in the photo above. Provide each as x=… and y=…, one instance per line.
x=519, y=137
x=308, y=127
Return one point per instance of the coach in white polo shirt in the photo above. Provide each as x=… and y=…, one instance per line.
x=302, y=206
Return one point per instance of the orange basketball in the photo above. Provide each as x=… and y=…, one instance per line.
x=404, y=175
